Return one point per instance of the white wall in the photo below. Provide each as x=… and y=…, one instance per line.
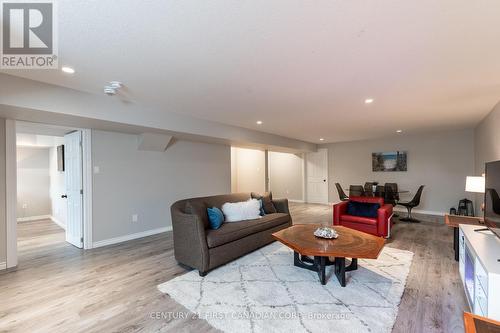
x=487, y=144
x=440, y=161
x=286, y=175
x=147, y=183
x=57, y=188
x=248, y=170
x=33, y=182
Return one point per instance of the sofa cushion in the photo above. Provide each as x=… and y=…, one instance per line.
x=239, y=211
x=364, y=209
x=358, y=219
x=267, y=202
x=198, y=206
x=219, y=200
x=261, y=208
x=215, y=217
x=229, y=232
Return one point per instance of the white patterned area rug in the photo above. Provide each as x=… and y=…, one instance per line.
x=264, y=292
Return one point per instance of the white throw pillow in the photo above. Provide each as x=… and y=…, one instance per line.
x=240, y=211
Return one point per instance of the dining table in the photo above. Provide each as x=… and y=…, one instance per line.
x=398, y=192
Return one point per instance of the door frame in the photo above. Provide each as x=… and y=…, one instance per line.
x=306, y=177
x=11, y=189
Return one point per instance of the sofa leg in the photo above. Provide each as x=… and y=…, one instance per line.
x=202, y=274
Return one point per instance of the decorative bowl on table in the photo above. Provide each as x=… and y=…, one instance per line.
x=326, y=232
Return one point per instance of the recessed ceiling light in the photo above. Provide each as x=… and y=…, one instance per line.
x=68, y=70
x=259, y=122
x=321, y=139
x=369, y=101
x=399, y=131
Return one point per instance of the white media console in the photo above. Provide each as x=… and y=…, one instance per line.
x=479, y=260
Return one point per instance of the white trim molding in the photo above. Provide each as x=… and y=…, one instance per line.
x=34, y=218
x=11, y=192
x=3, y=265
x=297, y=201
x=126, y=238
x=420, y=211
x=87, y=187
x=59, y=223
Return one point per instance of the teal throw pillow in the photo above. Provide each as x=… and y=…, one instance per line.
x=215, y=217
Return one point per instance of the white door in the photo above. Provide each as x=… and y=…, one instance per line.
x=317, y=176
x=73, y=163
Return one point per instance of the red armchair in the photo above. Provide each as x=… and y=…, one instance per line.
x=379, y=226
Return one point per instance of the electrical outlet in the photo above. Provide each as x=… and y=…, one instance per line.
x=96, y=169
x=25, y=205
x=135, y=218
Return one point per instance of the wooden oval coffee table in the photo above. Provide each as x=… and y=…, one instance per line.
x=350, y=244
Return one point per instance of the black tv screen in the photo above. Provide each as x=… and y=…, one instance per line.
x=491, y=197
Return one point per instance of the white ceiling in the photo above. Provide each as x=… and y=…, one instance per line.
x=302, y=67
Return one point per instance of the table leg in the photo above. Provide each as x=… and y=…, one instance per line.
x=316, y=264
x=321, y=270
x=340, y=269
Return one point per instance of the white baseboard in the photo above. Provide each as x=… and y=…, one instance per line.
x=34, y=218
x=420, y=211
x=125, y=238
x=59, y=223
x=297, y=201
x=3, y=265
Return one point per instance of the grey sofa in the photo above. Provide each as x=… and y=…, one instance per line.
x=198, y=246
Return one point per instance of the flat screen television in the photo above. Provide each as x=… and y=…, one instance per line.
x=492, y=198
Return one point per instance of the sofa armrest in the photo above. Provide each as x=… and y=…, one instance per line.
x=190, y=242
x=281, y=206
x=339, y=209
x=384, y=213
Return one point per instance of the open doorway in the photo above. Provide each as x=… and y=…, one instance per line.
x=53, y=208
x=41, y=210
x=254, y=170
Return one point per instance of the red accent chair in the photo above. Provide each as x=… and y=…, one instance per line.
x=379, y=226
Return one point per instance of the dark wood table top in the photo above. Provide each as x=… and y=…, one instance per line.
x=350, y=243
x=456, y=220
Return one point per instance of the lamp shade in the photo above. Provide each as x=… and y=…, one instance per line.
x=474, y=184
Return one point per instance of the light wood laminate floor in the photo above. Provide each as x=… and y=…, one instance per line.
x=58, y=288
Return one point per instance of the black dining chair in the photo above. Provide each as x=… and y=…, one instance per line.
x=380, y=191
x=368, y=189
x=391, y=193
x=356, y=191
x=412, y=204
x=342, y=195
